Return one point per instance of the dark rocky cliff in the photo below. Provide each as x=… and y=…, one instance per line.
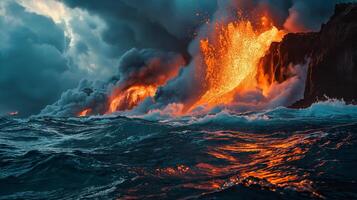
x=332, y=56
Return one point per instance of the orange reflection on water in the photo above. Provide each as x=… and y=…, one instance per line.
x=236, y=158
x=263, y=157
x=173, y=171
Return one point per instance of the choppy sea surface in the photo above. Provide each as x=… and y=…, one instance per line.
x=277, y=154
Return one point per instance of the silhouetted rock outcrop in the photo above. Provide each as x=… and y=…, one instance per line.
x=332, y=56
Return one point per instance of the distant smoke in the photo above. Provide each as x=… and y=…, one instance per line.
x=88, y=94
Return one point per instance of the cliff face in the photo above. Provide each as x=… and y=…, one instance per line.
x=292, y=50
x=332, y=55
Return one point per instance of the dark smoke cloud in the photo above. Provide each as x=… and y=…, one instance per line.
x=136, y=67
x=183, y=89
x=147, y=67
x=88, y=94
x=33, y=70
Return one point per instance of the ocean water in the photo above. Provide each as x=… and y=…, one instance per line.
x=277, y=154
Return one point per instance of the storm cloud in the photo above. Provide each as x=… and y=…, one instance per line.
x=33, y=70
x=158, y=24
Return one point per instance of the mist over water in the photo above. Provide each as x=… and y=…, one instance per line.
x=280, y=153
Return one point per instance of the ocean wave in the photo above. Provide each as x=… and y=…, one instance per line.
x=331, y=109
x=280, y=153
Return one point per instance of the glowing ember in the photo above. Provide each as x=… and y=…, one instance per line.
x=85, y=112
x=231, y=56
x=127, y=99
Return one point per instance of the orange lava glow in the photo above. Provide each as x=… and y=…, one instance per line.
x=129, y=98
x=143, y=84
x=231, y=56
x=84, y=112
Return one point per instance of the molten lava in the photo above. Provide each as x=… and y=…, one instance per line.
x=230, y=61
x=84, y=112
x=131, y=97
x=231, y=56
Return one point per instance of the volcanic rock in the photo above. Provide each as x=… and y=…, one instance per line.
x=331, y=55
